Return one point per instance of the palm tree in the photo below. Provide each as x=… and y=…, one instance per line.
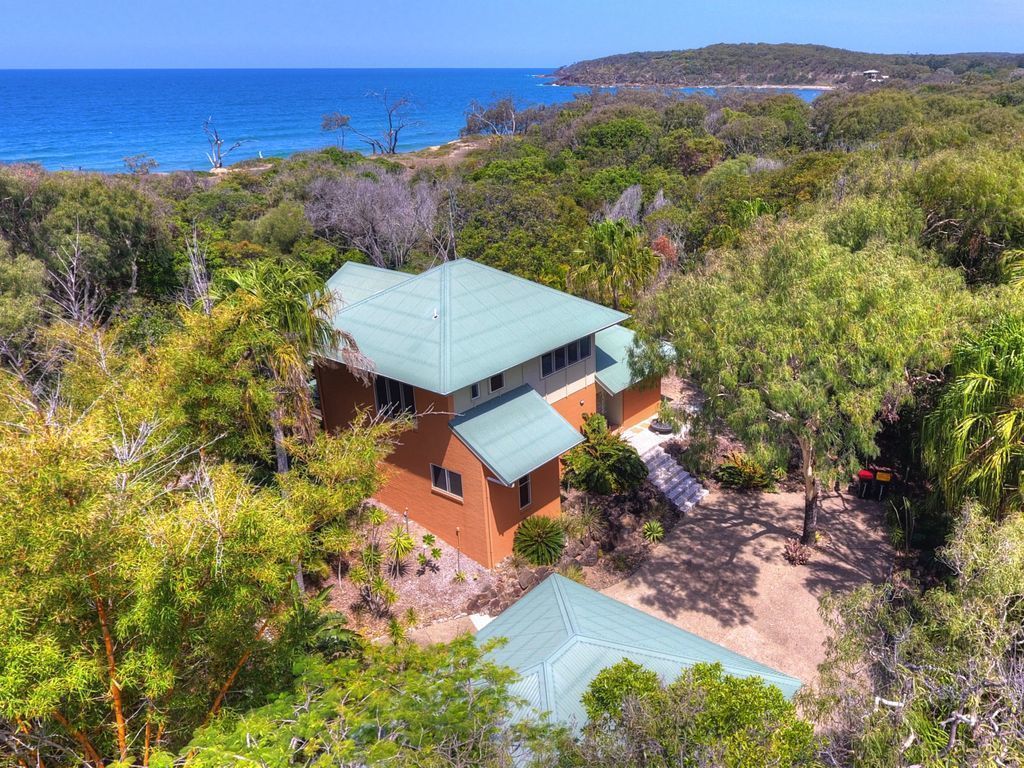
x=285, y=316
x=974, y=439
x=286, y=312
x=614, y=264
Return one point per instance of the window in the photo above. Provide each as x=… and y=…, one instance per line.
x=445, y=480
x=497, y=381
x=560, y=358
x=474, y=391
x=393, y=397
x=525, y=493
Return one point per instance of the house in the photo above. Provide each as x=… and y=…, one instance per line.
x=499, y=371
x=561, y=634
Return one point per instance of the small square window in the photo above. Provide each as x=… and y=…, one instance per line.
x=445, y=480
x=474, y=391
x=525, y=492
x=497, y=382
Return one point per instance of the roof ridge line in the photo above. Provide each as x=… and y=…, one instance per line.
x=444, y=308
x=514, y=276
x=378, y=293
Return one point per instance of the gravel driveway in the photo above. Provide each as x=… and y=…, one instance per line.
x=720, y=574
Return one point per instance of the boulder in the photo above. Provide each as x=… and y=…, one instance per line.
x=527, y=578
x=589, y=556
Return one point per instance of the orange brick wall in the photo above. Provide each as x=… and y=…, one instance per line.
x=572, y=408
x=483, y=522
x=506, y=514
x=640, y=403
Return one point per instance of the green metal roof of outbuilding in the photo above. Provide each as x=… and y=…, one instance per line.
x=355, y=282
x=462, y=322
x=561, y=634
x=515, y=433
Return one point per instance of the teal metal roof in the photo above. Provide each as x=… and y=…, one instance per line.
x=612, y=345
x=355, y=282
x=515, y=433
x=462, y=322
x=561, y=634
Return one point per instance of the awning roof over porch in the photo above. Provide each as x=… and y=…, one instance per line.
x=515, y=433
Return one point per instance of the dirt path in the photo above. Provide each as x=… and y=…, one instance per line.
x=720, y=574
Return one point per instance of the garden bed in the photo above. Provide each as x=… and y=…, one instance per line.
x=426, y=595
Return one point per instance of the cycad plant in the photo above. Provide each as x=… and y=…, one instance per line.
x=539, y=540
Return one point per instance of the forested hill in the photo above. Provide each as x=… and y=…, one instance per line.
x=785, y=64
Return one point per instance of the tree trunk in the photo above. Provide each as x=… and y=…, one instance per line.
x=281, y=455
x=810, y=492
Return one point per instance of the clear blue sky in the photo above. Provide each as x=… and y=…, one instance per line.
x=450, y=33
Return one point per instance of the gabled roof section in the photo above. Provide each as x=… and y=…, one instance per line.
x=462, y=322
x=561, y=634
x=355, y=282
x=515, y=433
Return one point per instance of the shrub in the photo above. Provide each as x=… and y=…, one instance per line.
x=653, y=531
x=796, y=553
x=744, y=472
x=539, y=540
x=604, y=463
x=610, y=688
x=573, y=571
x=705, y=717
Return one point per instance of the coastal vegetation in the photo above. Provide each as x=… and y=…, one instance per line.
x=840, y=280
x=776, y=64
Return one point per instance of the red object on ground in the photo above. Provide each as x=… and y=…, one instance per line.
x=865, y=474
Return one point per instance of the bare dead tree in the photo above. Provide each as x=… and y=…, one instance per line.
x=447, y=220
x=396, y=119
x=197, y=285
x=217, y=152
x=383, y=216
x=627, y=207
x=332, y=122
x=139, y=165
x=502, y=117
x=73, y=292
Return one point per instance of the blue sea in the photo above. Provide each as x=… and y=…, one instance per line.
x=92, y=119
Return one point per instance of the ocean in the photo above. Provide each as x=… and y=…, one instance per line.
x=93, y=119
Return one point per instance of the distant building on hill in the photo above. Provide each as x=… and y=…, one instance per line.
x=874, y=76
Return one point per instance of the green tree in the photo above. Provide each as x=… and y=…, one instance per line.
x=974, y=438
x=136, y=581
x=22, y=287
x=443, y=706
x=705, y=717
x=615, y=265
x=800, y=344
x=931, y=677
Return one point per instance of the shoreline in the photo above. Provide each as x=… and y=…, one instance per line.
x=704, y=86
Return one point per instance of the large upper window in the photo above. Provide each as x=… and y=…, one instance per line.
x=393, y=397
x=560, y=358
x=497, y=382
x=445, y=480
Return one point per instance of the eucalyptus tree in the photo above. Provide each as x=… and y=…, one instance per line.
x=803, y=346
